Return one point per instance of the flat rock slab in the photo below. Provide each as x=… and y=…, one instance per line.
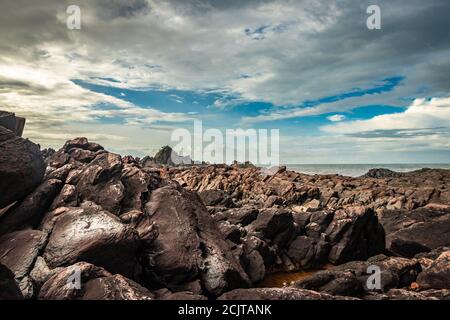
x=19, y=250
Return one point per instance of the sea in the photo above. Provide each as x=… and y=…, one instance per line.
x=356, y=170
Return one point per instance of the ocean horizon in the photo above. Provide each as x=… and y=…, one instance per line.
x=356, y=170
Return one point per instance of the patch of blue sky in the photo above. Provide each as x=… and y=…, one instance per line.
x=163, y=100
x=387, y=85
x=370, y=111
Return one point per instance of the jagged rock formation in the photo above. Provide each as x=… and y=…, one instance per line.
x=303, y=192
x=156, y=232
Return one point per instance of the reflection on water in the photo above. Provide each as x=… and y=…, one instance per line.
x=278, y=279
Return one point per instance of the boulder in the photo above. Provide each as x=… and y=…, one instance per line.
x=22, y=167
x=69, y=283
x=92, y=235
x=396, y=272
x=243, y=216
x=31, y=210
x=9, y=121
x=137, y=185
x=354, y=234
x=216, y=198
x=341, y=283
x=272, y=223
x=437, y=275
x=189, y=245
x=41, y=272
x=59, y=173
x=8, y=286
x=408, y=232
x=68, y=197
x=100, y=182
x=306, y=252
x=115, y=287
x=318, y=223
x=81, y=143
x=18, y=252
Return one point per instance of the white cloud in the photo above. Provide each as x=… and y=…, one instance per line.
x=422, y=114
x=336, y=117
x=309, y=50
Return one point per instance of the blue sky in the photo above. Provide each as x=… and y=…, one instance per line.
x=202, y=106
x=137, y=70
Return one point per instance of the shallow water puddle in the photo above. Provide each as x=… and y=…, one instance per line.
x=279, y=279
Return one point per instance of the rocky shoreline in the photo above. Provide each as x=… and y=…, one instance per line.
x=126, y=228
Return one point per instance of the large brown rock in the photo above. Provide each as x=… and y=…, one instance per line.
x=29, y=212
x=100, y=182
x=22, y=167
x=243, y=216
x=84, y=281
x=19, y=249
x=18, y=252
x=189, y=245
x=115, y=287
x=354, y=234
x=276, y=225
x=342, y=283
x=408, y=232
x=307, y=252
x=437, y=275
x=138, y=185
x=8, y=286
x=93, y=235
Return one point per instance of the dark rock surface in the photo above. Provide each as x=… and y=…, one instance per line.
x=409, y=232
x=190, y=244
x=18, y=252
x=275, y=294
x=21, y=167
x=352, y=278
x=92, y=235
x=437, y=275
x=8, y=286
x=31, y=210
x=143, y=229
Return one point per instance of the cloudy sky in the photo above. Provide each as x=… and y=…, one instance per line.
x=138, y=69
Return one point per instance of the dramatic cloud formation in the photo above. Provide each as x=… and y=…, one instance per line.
x=293, y=65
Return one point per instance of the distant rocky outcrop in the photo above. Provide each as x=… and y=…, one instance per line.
x=167, y=156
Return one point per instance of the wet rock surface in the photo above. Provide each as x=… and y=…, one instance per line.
x=133, y=229
x=92, y=235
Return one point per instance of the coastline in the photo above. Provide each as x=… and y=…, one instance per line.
x=356, y=170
